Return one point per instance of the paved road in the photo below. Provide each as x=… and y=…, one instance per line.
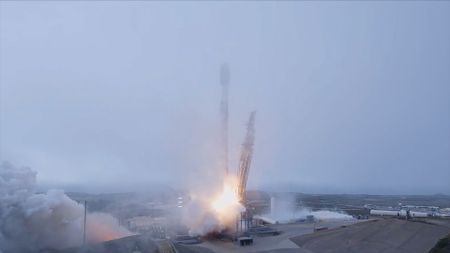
x=165, y=246
x=191, y=249
x=135, y=243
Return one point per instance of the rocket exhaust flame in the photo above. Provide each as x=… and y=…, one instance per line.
x=215, y=211
x=226, y=205
x=226, y=199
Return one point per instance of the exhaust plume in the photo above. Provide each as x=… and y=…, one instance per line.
x=31, y=221
x=214, y=210
x=284, y=209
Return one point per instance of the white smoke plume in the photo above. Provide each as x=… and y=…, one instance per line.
x=199, y=218
x=330, y=215
x=31, y=221
x=284, y=209
x=214, y=209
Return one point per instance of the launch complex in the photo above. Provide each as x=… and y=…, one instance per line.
x=234, y=189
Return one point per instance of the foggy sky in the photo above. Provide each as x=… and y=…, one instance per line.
x=351, y=97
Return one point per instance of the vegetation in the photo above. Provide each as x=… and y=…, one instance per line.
x=442, y=246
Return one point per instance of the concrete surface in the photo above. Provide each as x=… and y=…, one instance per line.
x=384, y=235
x=191, y=249
x=279, y=243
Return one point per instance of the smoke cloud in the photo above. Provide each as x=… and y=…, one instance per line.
x=199, y=218
x=30, y=221
x=213, y=209
x=284, y=209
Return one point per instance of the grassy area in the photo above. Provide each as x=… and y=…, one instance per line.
x=442, y=246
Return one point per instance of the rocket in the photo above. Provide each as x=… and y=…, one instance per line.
x=224, y=82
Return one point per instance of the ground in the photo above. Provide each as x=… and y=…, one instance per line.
x=377, y=235
x=443, y=246
x=384, y=235
x=281, y=241
x=388, y=235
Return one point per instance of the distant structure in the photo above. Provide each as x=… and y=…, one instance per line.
x=224, y=82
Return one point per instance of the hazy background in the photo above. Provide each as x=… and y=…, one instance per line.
x=351, y=97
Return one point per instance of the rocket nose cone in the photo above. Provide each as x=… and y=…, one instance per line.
x=224, y=74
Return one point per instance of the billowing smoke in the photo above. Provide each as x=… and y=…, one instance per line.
x=284, y=209
x=330, y=215
x=213, y=210
x=31, y=221
x=199, y=218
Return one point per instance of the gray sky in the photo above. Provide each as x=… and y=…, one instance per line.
x=351, y=97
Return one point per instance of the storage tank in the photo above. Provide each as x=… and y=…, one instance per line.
x=419, y=214
x=386, y=212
